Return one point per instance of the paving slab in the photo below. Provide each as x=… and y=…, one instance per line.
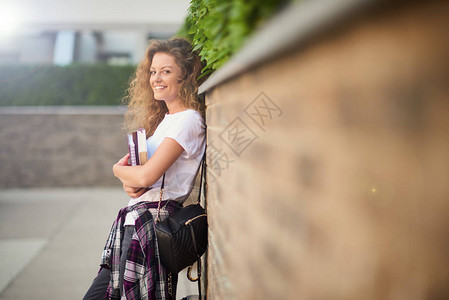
x=51, y=241
x=15, y=255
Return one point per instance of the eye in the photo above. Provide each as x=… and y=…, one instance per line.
x=167, y=71
x=152, y=72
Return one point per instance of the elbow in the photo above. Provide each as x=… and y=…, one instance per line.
x=143, y=182
x=114, y=170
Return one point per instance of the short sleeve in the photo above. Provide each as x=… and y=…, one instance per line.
x=187, y=130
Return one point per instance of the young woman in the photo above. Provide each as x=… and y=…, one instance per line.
x=162, y=99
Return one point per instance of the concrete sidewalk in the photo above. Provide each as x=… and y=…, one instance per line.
x=51, y=241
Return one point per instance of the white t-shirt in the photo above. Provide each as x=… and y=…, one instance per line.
x=187, y=128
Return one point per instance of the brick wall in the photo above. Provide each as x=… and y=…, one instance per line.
x=328, y=167
x=60, y=149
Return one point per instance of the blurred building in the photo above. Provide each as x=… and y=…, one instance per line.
x=86, y=31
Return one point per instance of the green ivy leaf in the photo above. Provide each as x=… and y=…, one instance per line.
x=220, y=27
x=197, y=46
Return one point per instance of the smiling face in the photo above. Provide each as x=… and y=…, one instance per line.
x=164, y=77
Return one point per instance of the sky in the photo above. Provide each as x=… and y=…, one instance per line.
x=20, y=15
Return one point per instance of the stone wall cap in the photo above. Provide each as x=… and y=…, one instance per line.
x=289, y=29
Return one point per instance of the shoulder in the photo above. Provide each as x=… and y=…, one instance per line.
x=188, y=129
x=190, y=114
x=190, y=117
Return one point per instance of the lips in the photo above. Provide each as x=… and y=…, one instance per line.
x=159, y=87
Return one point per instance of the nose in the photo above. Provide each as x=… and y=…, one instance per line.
x=157, y=76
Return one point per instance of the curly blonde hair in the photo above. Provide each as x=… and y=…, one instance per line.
x=143, y=110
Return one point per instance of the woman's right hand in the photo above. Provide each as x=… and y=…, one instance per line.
x=134, y=192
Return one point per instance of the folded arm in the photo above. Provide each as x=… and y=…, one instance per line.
x=144, y=176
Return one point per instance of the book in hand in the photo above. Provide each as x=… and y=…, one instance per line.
x=137, y=146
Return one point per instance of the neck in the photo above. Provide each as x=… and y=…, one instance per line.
x=174, y=107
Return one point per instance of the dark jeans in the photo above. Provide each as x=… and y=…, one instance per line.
x=98, y=288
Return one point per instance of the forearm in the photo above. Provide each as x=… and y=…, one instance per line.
x=129, y=175
x=152, y=170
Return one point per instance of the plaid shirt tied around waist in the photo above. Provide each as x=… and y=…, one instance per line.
x=144, y=277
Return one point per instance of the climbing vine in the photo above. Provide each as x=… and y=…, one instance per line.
x=218, y=28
